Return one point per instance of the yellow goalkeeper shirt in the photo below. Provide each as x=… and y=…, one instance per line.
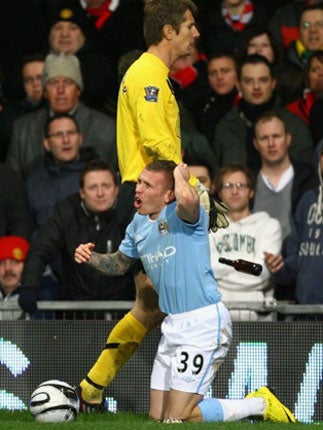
x=148, y=126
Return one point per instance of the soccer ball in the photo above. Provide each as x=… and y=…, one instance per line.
x=54, y=402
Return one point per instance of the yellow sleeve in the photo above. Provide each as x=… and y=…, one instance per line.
x=159, y=125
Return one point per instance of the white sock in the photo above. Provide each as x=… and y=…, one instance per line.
x=235, y=410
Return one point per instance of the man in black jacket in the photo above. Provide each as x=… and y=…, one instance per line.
x=86, y=216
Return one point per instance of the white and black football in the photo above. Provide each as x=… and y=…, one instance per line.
x=54, y=401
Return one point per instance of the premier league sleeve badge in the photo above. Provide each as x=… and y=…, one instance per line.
x=151, y=94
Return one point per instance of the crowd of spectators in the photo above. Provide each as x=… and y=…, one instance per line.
x=251, y=102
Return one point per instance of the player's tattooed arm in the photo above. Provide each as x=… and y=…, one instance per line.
x=111, y=264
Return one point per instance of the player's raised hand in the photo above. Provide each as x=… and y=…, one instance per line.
x=83, y=252
x=181, y=170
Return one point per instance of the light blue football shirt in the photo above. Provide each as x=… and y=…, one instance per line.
x=176, y=257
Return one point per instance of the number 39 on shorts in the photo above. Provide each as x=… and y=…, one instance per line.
x=189, y=361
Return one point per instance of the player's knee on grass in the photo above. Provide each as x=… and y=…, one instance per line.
x=158, y=404
x=196, y=415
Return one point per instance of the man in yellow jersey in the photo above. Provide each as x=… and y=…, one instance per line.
x=148, y=128
x=148, y=125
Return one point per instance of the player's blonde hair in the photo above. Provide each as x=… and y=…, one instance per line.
x=165, y=166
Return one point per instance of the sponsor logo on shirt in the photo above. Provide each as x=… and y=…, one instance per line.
x=153, y=260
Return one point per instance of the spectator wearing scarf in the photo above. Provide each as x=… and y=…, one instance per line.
x=228, y=21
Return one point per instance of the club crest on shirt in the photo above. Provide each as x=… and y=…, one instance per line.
x=163, y=227
x=151, y=93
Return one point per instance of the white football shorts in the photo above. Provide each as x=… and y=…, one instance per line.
x=192, y=347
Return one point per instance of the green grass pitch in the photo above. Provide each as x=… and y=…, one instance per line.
x=129, y=421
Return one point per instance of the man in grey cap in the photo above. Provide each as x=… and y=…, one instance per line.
x=63, y=85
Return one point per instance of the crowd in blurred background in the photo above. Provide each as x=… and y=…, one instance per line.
x=251, y=107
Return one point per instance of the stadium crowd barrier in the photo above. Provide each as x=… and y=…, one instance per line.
x=110, y=310
x=286, y=355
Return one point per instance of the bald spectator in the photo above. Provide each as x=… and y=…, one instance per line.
x=281, y=181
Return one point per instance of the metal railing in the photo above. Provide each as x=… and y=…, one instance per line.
x=281, y=310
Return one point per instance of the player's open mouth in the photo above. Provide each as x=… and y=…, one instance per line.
x=137, y=202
